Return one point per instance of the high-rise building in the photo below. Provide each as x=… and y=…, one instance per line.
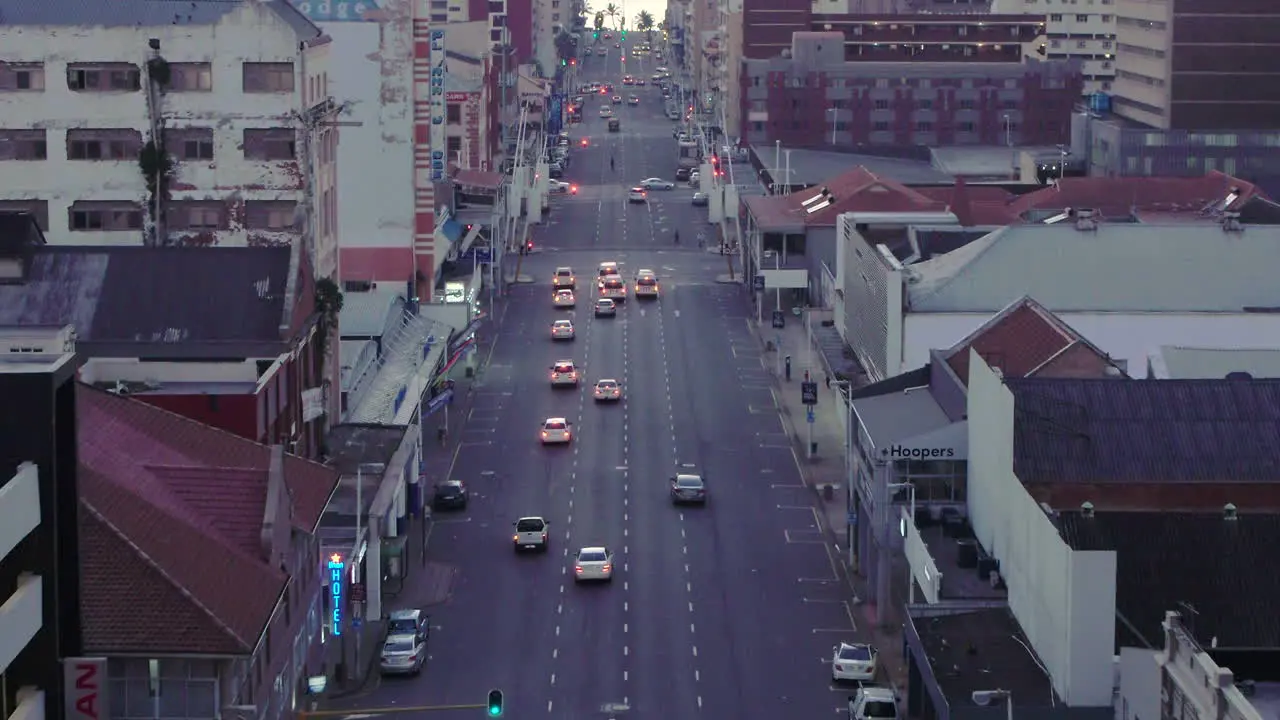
x=1074, y=32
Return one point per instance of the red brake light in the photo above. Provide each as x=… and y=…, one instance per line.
x=607, y=568
x=544, y=433
x=577, y=568
x=573, y=189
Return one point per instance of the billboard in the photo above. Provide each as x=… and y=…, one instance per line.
x=438, y=106
x=84, y=685
x=321, y=11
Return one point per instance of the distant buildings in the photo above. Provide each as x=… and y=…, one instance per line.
x=1085, y=33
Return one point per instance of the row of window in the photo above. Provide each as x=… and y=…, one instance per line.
x=1140, y=78
x=779, y=79
x=885, y=126
x=255, y=77
x=1055, y=17
x=886, y=104
x=261, y=144
x=960, y=30
x=1070, y=2
x=118, y=215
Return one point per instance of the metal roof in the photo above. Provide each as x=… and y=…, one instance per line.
x=368, y=314
x=1115, y=268
x=143, y=13
x=900, y=416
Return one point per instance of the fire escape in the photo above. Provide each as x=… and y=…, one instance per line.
x=155, y=160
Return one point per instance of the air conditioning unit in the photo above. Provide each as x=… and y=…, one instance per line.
x=38, y=341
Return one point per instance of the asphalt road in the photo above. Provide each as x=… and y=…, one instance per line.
x=724, y=611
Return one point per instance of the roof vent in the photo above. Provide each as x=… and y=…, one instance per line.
x=1086, y=219
x=1230, y=512
x=1239, y=375
x=1231, y=222
x=1086, y=509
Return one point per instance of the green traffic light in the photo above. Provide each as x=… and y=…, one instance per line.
x=495, y=703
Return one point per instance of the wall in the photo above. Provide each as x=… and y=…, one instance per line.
x=1139, y=684
x=1064, y=600
x=767, y=26
x=252, y=33
x=1066, y=33
x=1127, y=337
x=237, y=414
x=372, y=71
x=872, y=299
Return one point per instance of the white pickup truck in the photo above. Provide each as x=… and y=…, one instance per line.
x=531, y=534
x=873, y=703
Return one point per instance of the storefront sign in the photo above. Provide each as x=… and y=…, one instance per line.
x=84, y=682
x=336, y=566
x=438, y=106
x=457, y=96
x=337, y=10
x=902, y=452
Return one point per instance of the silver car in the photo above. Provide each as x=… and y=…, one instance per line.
x=403, y=654
x=593, y=563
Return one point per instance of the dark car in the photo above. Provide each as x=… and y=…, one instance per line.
x=450, y=495
x=682, y=174
x=688, y=488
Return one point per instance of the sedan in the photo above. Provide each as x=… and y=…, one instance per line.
x=657, y=184
x=688, y=488
x=558, y=187
x=606, y=112
x=562, y=330
x=617, y=100
x=564, y=374
x=700, y=199
x=853, y=662
x=606, y=307
x=633, y=100
x=608, y=390
x=556, y=430
x=564, y=298
x=403, y=655
x=602, y=52
x=450, y=495
x=593, y=563
x=639, y=81
x=636, y=195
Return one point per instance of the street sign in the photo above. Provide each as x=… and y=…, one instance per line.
x=779, y=319
x=759, y=283
x=810, y=417
x=483, y=255
x=809, y=393
x=852, y=519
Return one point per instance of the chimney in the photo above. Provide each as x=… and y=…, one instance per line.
x=1229, y=512
x=1231, y=222
x=1086, y=219
x=1086, y=509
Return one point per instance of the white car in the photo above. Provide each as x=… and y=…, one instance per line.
x=646, y=284
x=612, y=287
x=606, y=269
x=403, y=654
x=564, y=374
x=637, y=195
x=657, y=184
x=854, y=662
x=562, y=330
x=563, y=278
x=593, y=563
x=564, y=298
x=606, y=308
x=608, y=390
x=606, y=112
x=633, y=100
x=531, y=534
x=556, y=431
x=873, y=703
x=558, y=187
x=617, y=99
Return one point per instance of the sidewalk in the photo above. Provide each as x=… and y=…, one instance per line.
x=825, y=471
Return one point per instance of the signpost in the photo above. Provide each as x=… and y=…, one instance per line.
x=809, y=396
x=759, y=283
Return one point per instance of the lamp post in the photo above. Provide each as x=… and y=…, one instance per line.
x=851, y=527
x=911, y=582
x=835, y=117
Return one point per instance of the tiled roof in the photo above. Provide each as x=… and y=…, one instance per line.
x=172, y=513
x=1138, y=431
x=1022, y=340
x=142, y=13
x=856, y=190
x=1167, y=559
x=479, y=179
x=1115, y=268
x=1122, y=196
x=157, y=302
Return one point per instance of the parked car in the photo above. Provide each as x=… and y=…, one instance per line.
x=700, y=199
x=450, y=495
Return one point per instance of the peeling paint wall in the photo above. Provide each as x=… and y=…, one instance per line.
x=222, y=182
x=373, y=70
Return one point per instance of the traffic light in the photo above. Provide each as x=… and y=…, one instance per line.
x=595, y=36
x=563, y=62
x=495, y=703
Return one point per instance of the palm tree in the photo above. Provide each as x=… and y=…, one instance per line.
x=644, y=23
x=611, y=11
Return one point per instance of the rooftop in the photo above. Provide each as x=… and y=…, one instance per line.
x=161, y=303
x=1167, y=560
x=171, y=516
x=1115, y=268
x=144, y=13
x=1115, y=197
x=898, y=416
x=1026, y=340
x=1191, y=363
x=1131, y=431
x=957, y=583
x=806, y=167
x=354, y=444
x=982, y=650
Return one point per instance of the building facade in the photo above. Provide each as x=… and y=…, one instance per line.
x=1086, y=34
x=227, y=106
x=816, y=97
x=933, y=37
x=39, y=572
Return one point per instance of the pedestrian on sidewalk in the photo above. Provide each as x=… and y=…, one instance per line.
x=828, y=381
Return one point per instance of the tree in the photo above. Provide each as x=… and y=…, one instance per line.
x=644, y=23
x=612, y=12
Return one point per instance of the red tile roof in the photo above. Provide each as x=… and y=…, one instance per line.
x=171, y=515
x=1021, y=340
x=478, y=179
x=1121, y=196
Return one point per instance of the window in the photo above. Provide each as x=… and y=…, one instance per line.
x=108, y=215
x=965, y=126
x=21, y=77
x=454, y=113
x=497, y=8
x=190, y=143
x=38, y=208
x=1055, y=18
x=268, y=77
x=880, y=126
x=924, y=126
x=108, y=77
x=1082, y=18
x=23, y=145
x=271, y=215
x=882, y=104
x=88, y=144
x=495, y=35
x=966, y=104
x=197, y=215
x=190, y=77
x=453, y=147
x=269, y=144
x=924, y=104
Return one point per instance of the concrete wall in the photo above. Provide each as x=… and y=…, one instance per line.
x=1127, y=337
x=251, y=33
x=1139, y=684
x=873, y=304
x=1064, y=600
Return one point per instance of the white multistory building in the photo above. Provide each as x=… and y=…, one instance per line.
x=1083, y=32
x=236, y=93
x=21, y=607
x=550, y=17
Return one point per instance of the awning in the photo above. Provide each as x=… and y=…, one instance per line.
x=453, y=230
x=892, y=419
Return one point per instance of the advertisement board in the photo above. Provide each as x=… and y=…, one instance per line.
x=439, y=105
x=84, y=684
x=320, y=11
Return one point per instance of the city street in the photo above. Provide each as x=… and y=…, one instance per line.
x=723, y=611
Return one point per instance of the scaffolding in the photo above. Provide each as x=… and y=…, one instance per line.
x=385, y=384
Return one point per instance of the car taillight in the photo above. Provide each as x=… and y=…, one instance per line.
x=544, y=433
x=607, y=568
x=566, y=433
x=544, y=534
x=573, y=376
x=577, y=568
x=517, y=537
